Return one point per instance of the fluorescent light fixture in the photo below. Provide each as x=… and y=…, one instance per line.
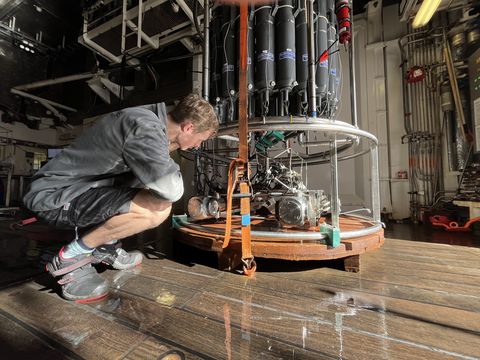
x=425, y=13
x=22, y=47
x=27, y=48
x=25, y=42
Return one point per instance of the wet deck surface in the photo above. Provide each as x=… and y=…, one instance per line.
x=411, y=300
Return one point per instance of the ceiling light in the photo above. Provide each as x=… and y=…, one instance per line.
x=425, y=13
x=27, y=48
x=21, y=46
x=25, y=42
x=32, y=51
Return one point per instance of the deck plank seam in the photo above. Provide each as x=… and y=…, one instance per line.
x=340, y=288
x=186, y=310
x=145, y=332
x=39, y=334
x=348, y=328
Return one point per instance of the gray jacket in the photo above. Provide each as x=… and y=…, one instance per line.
x=130, y=141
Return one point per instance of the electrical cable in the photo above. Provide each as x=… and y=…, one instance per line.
x=324, y=55
x=231, y=108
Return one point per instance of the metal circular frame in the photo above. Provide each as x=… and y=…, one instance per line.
x=315, y=124
x=294, y=235
x=298, y=123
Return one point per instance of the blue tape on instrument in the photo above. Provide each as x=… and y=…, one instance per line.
x=246, y=220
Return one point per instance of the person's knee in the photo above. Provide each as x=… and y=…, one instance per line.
x=158, y=217
x=151, y=208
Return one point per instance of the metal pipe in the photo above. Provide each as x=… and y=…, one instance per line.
x=358, y=233
x=206, y=49
x=228, y=137
x=353, y=89
x=60, y=80
x=453, y=83
x=311, y=60
x=9, y=187
x=324, y=143
x=334, y=182
x=42, y=100
x=425, y=112
x=124, y=25
x=375, y=183
x=140, y=22
x=434, y=164
x=450, y=136
x=406, y=97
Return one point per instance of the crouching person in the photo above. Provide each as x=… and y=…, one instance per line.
x=84, y=187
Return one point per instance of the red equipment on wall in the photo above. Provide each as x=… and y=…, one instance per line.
x=415, y=74
x=342, y=10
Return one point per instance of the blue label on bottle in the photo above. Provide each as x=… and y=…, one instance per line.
x=324, y=64
x=249, y=61
x=305, y=57
x=287, y=54
x=265, y=56
x=333, y=72
x=227, y=68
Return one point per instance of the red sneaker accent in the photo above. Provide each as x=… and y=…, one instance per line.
x=89, y=300
x=60, y=254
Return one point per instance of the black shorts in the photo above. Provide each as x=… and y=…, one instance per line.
x=93, y=207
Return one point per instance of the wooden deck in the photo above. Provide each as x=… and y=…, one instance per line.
x=410, y=300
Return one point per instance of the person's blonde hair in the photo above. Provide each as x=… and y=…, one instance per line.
x=198, y=111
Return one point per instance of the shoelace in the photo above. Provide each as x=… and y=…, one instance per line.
x=123, y=254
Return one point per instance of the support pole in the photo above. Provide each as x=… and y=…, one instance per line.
x=334, y=182
x=206, y=50
x=375, y=184
x=140, y=23
x=353, y=90
x=124, y=26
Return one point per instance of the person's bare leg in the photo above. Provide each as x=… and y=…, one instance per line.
x=80, y=280
x=146, y=212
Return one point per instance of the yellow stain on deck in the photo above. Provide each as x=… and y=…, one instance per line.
x=165, y=298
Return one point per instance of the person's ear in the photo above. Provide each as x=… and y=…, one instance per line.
x=187, y=126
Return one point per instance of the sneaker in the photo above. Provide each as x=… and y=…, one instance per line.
x=80, y=281
x=116, y=257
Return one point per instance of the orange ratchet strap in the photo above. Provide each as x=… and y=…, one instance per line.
x=232, y=183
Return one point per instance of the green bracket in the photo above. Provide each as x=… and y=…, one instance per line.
x=269, y=139
x=333, y=234
x=177, y=220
